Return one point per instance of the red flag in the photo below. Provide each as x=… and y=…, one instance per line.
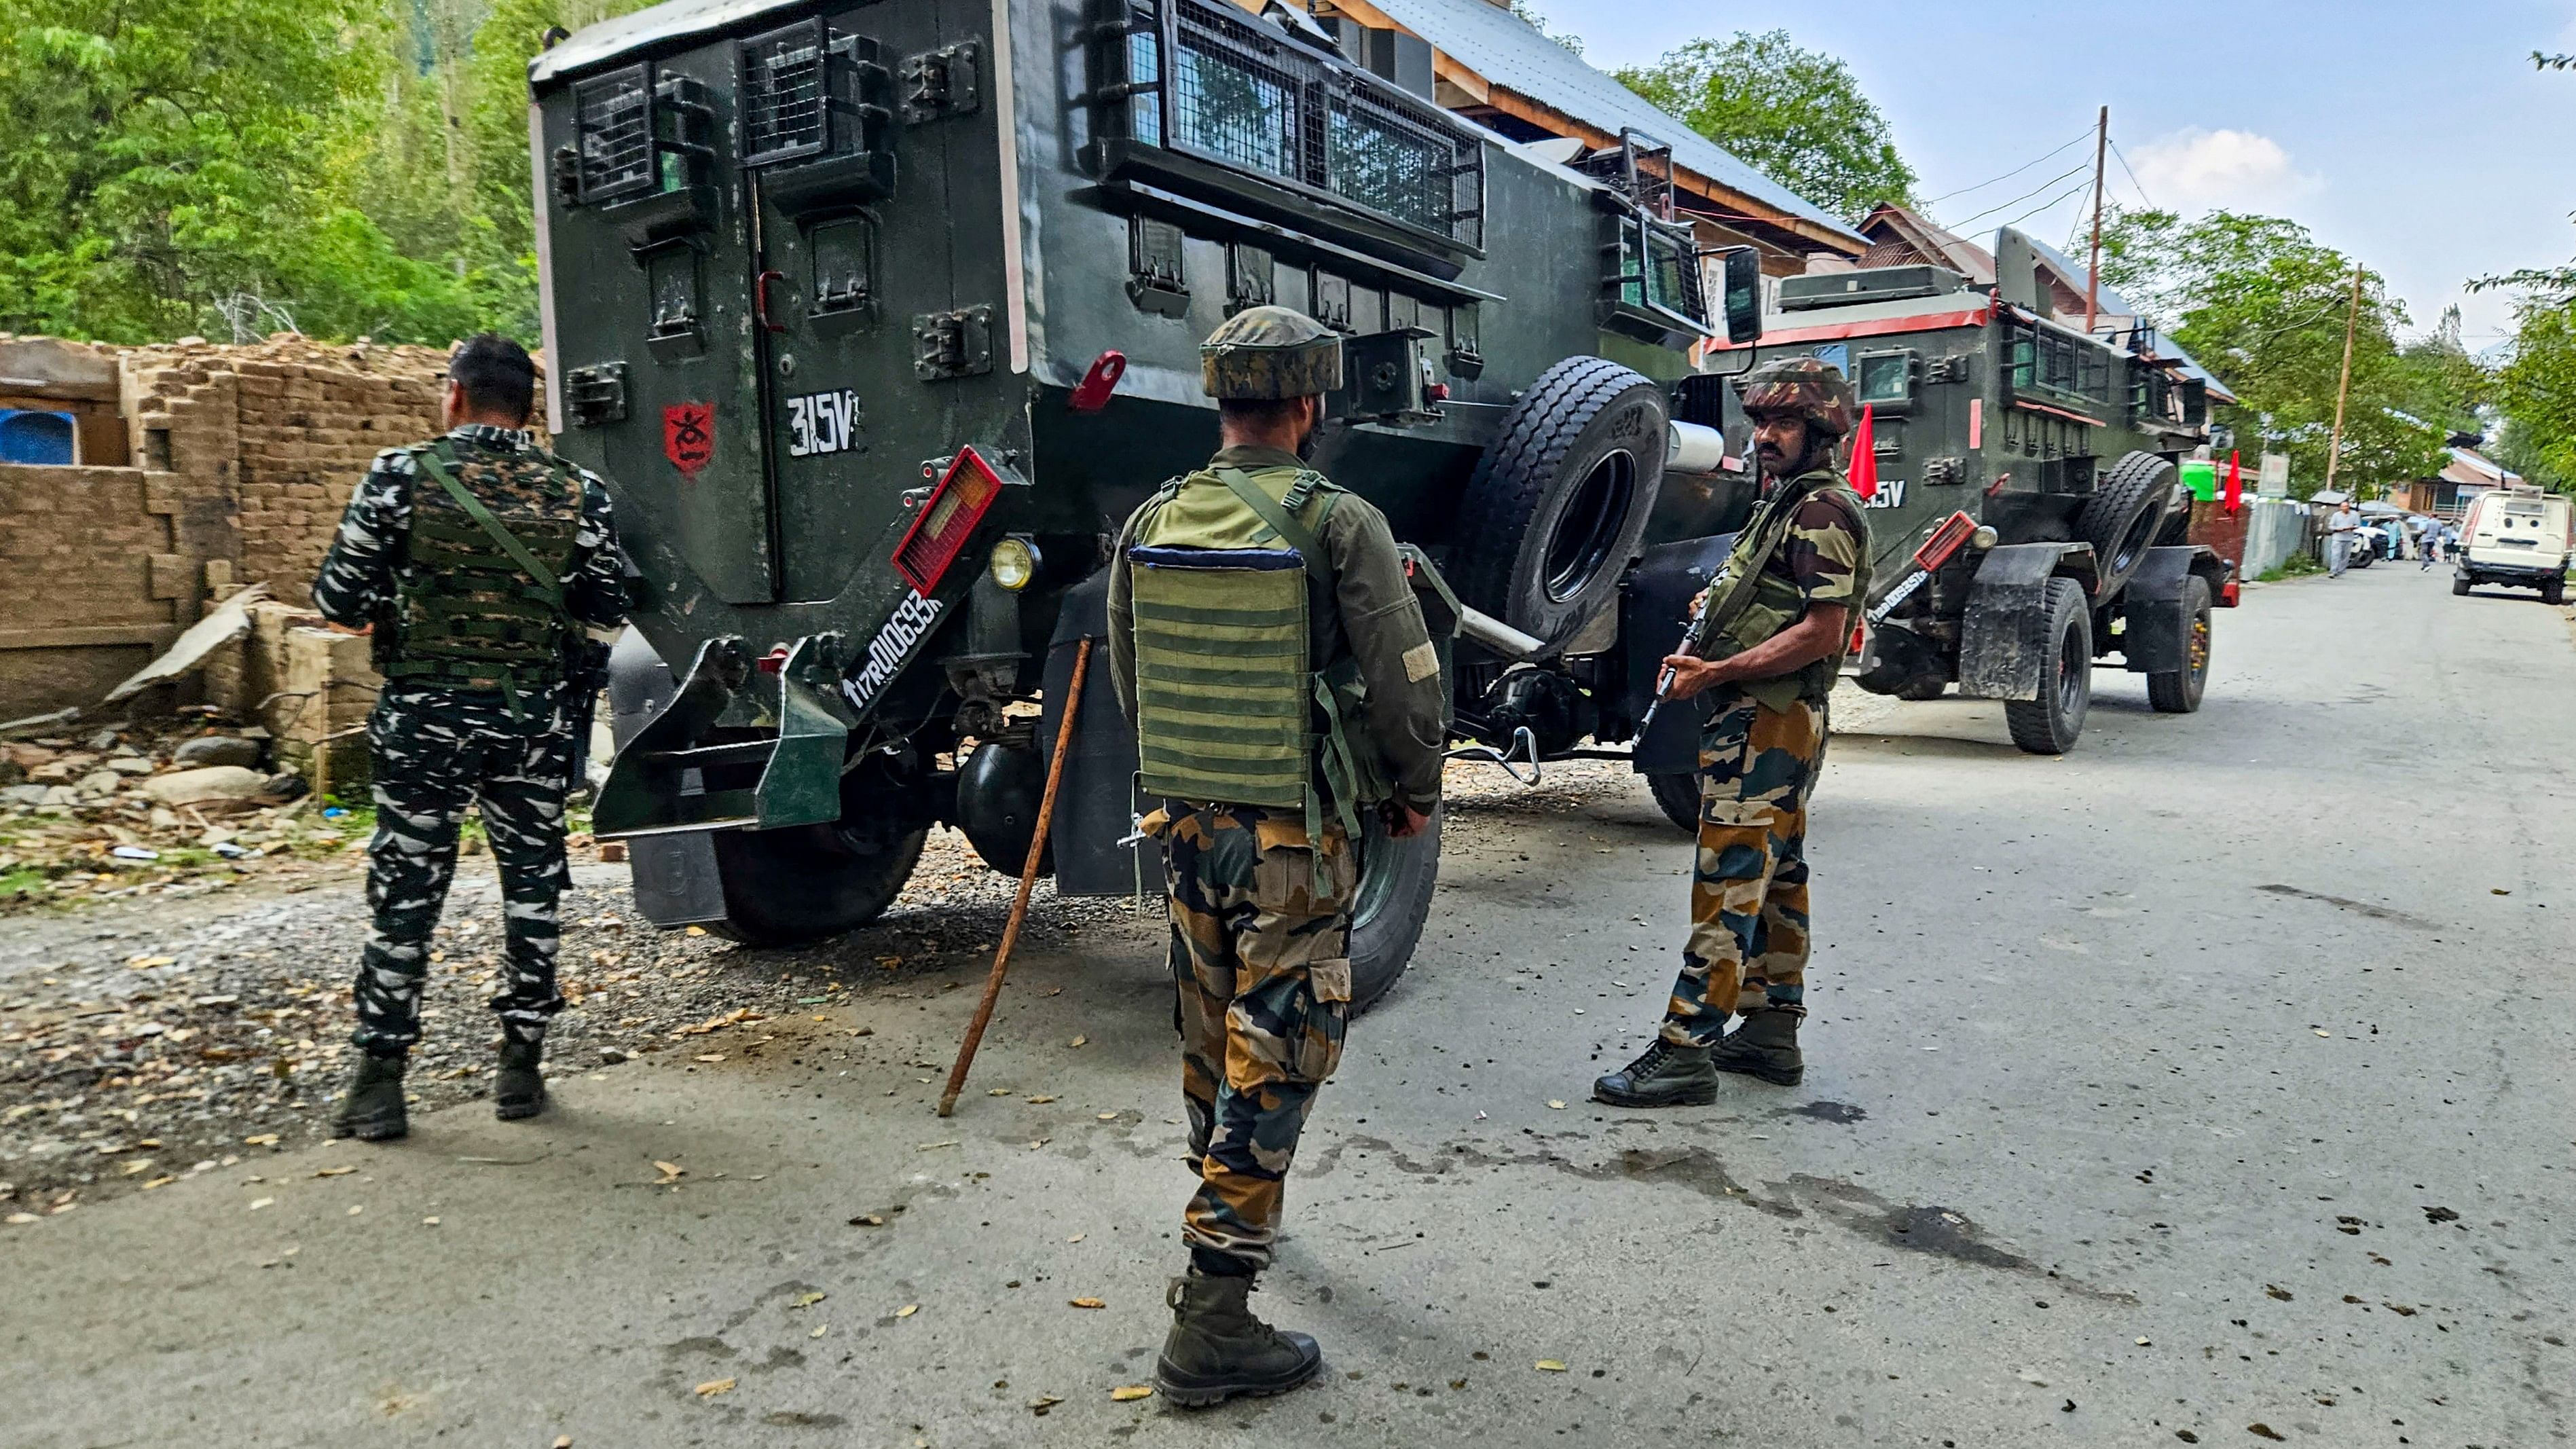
x=1864, y=459
x=2235, y=483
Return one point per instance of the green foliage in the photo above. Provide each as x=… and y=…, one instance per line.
x=2537, y=394
x=233, y=167
x=2260, y=303
x=1795, y=115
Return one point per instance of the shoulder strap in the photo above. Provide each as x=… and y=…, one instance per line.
x=1282, y=523
x=433, y=461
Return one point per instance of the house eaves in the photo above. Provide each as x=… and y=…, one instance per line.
x=1505, y=64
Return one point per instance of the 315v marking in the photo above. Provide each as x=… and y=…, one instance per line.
x=823, y=422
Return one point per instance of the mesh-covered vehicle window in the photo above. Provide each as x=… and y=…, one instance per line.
x=613, y=117
x=1387, y=166
x=1227, y=104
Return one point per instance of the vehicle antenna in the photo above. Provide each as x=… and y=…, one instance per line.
x=2334, y=445
x=2093, y=269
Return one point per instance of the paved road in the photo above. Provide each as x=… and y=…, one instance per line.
x=2217, y=1076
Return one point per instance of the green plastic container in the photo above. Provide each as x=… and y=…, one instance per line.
x=2201, y=478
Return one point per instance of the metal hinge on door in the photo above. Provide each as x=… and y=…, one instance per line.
x=1946, y=470
x=952, y=344
x=940, y=83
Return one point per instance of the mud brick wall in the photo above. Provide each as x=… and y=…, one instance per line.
x=242, y=458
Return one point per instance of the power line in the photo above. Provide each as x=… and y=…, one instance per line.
x=2074, y=190
x=2007, y=176
x=2133, y=177
x=2025, y=196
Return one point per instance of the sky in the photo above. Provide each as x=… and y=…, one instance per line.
x=2416, y=138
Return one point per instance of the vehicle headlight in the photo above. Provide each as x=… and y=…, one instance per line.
x=1985, y=536
x=1014, y=563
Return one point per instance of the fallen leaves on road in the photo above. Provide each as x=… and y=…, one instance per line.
x=1076, y=1238
x=1088, y=1302
x=1555, y=1104
x=1550, y=1366
x=808, y=1300
x=265, y=1139
x=260, y=1202
x=711, y=1056
x=867, y=1220
x=1130, y=1393
x=1042, y=1403
x=713, y=1387
x=333, y=1171
x=934, y=1146
x=907, y=1310
x=1081, y=1041
x=2276, y=1292
x=1040, y=1100
x=2261, y=1430
x=819, y=1330
x=1108, y=1116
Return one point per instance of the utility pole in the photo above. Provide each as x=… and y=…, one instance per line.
x=2093, y=270
x=2334, y=446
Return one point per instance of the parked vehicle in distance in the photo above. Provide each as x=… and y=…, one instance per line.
x=2516, y=536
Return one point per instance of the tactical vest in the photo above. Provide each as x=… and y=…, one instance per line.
x=469, y=610
x=1748, y=603
x=1230, y=708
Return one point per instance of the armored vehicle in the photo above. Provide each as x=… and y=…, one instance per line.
x=880, y=318
x=2029, y=518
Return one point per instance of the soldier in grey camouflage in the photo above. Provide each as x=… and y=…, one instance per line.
x=478, y=561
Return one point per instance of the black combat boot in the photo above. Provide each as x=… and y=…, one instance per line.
x=1666, y=1076
x=372, y=1109
x=1218, y=1350
x=1765, y=1045
x=518, y=1089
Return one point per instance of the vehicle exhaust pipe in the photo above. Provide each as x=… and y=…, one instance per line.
x=1692, y=448
x=1496, y=637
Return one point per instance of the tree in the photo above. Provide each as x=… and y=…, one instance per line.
x=2537, y=393
x=2262, y=305
x=1795, y=115
x=168, y=162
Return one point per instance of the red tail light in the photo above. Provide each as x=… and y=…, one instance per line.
x=1945, y=540
x=959, y=503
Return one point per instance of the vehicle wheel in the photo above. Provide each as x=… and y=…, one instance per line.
x=2460, y=585
x=2127, y=512
x=1677, y=795
x=2178, y=691
x=1397, y=878
x=2553, y=591
x=809, y=881
x=2063, y=627
x=1553, y=513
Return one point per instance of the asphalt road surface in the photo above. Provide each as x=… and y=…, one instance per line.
x=2211, y=1085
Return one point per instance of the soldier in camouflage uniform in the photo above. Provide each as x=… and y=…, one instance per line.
x=1264, y=638
x=1771, y=638
x=477, y=560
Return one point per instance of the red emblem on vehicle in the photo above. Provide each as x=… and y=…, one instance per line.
x=689, y=436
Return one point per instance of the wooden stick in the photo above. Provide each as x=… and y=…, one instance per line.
x=1028, y=883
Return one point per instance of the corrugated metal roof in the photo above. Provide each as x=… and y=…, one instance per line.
x=1497, y=45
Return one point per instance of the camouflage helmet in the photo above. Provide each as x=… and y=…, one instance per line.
x=1807, y=388
x=1270, y=352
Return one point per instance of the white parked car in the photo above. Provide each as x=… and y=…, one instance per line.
x=2516, y=536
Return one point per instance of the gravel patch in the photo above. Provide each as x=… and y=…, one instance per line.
x=146, y=1039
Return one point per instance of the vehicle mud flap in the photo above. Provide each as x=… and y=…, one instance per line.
x=674, y=876
x=2154, y=629
x=2000, y=655
x=1096, y=804
x=1654, y=610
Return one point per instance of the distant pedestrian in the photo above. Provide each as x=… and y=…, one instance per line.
x=2343, y=528
x=2428, y=544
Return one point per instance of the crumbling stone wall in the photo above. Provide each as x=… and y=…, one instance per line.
x=242, y=458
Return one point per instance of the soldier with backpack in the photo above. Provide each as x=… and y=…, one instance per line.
x=1266, y=643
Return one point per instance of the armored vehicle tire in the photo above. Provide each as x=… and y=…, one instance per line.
x=807, y=881
x=1555, y=508
x=1397, y=878
x=1677, y=795
x=2178, y=691
x=2060, y=631
x=2125, y=516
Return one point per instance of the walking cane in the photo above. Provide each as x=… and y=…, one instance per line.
x=1028, y=883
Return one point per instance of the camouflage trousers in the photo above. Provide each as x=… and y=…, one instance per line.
x=437, y=751
x=1261, y=962
x=1748, y=936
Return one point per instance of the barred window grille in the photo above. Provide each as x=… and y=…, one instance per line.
x=1237, y=94
x=613, y=118
x=785, y=96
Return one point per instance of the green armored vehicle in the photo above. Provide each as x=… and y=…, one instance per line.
x=2029, y=516
x=880, y=318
